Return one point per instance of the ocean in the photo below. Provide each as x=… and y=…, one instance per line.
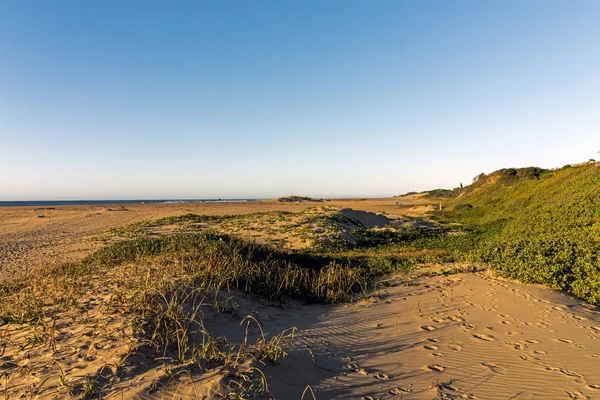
x=52, y=203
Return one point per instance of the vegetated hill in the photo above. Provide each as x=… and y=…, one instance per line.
x=507, y=176
x=504, y=177
x=536, y=225
x=443, y=193
x=294, y=199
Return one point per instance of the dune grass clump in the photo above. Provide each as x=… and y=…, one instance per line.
x=205, y=260
x=158, y=293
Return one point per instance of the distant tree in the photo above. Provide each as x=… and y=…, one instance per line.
x=478, y=177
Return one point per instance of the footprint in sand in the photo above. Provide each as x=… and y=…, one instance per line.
x=539, y=352
x=448, y=387
x=506, y=322
x=383, y=377
x=596, y=328
x=565, y=340
x=433, y=340
x=428, y=328
x=494, y=368
x=517, y=346
x=483, y=337
x=431, y=347
x=595, y=387
x=437, y=354
x=595, y=355
x=455, y=318
x=399, y=391
x=434, y=368
x=565, y=371
x=352, y=367
x=532, y=341
x=577, y=395
x=455, y=347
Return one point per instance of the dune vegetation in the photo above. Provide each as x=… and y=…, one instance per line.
x=538, y=226
x=146, y=300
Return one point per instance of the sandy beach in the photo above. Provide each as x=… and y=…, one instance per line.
x=460, y=336
x=36, y=237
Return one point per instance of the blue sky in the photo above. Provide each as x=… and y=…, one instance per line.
x=156, y=99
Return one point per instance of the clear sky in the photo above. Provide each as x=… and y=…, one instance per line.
x=148, y=99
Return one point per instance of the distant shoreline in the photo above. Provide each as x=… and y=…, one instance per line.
x=48, y=203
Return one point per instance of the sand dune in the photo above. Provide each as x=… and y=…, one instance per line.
x=36, y=237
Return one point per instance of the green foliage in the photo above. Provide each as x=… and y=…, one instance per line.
x=534, y=225
x=443, y=193
x=294, y=199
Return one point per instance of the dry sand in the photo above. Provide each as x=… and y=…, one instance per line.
x=464, y=336
x=467, y=336
x=36, y=237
